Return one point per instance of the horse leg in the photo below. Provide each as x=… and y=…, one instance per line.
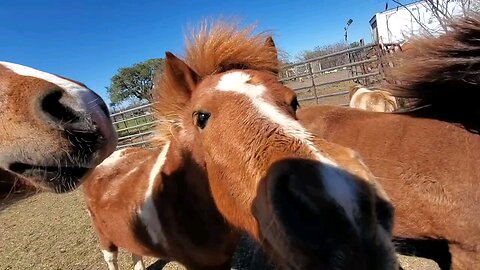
x=137, y=262
x=463, y=258
x=110, y=257
x=109, y=250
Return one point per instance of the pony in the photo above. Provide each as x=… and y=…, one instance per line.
x=54, y=130
x=309, y=203
x=231, y=157
x=426, y=157
x=371, y=100
x=156, y=202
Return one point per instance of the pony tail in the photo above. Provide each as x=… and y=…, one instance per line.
x=442, y=73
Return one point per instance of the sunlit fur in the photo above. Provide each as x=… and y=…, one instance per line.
x=261, y=163
x=53, y=130
x=157, y=203
x=371, y=100
x=427, y=156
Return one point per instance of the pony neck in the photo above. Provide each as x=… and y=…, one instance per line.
x=184, y=193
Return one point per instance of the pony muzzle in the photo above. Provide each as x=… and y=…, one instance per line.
x=293, y=195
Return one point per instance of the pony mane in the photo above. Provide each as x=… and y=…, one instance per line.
x=213, y=48
x=441, y=74
x=219, y=46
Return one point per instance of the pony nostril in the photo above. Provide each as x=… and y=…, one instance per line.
x=58, y=112
x=299, y=193
x=299, y=198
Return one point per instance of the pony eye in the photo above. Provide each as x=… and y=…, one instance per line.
x=200, y=119
x=295, y=105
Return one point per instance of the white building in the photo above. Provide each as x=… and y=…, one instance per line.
x=397, y=24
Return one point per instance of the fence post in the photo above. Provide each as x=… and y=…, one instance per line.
x=309, y=64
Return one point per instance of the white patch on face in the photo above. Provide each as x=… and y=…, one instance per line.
x=112, y=160
x=148, y=213
x=71, y=87
x=111, y=259
x=338, y=185
x=237, y=82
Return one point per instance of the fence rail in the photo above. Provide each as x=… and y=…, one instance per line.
x=315, y=81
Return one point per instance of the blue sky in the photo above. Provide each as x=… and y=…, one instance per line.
x=89, y=40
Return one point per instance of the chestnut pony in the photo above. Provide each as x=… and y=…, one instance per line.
x=157, y=203
x=371, y=100
x=230, y=141
x=427, y=159
x=308, y=202
x=53, y=130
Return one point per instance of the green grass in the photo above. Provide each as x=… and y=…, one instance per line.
x=132, y=123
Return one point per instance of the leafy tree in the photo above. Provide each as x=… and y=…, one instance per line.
x=134, y=82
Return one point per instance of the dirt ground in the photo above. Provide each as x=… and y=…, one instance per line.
x=51, y=231
x=308, y=94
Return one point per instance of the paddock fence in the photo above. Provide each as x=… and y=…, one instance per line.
x=321, y=80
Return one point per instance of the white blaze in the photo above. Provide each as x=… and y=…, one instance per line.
x=69, y=86
x=336, y=182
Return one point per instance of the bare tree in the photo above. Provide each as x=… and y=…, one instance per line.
x=442, y=10
x=284, y=57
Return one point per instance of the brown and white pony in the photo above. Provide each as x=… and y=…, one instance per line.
x=371, y=100
x=231, y=141
x=428, y=159
x=53, y=130
x=157, y=203
x=267, y=174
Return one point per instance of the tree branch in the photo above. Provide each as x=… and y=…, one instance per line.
x=413, y=15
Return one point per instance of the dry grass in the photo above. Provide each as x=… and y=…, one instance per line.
x=308, y=91
x=50, y=231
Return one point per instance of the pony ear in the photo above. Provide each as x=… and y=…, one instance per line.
x=270, y=44
x=181, y=74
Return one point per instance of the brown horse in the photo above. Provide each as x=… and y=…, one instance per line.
x=308, y=202
x=428, y=158
x=371, y=100
x=53, y=130
x=230, y=140
x=157, y=203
